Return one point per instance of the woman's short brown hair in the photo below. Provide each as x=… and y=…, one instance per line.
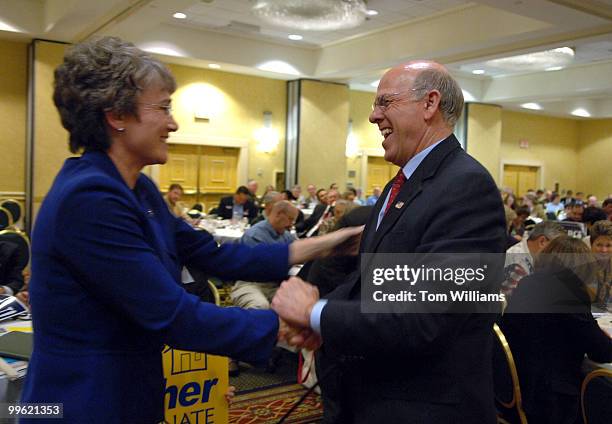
x=101, y=75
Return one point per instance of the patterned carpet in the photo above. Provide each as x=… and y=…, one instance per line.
x=268, y=406
x=263, y=397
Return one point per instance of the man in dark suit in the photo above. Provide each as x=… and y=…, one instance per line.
x=329, y=273
x=409, y=367
x=310, y=226
x=11, y=268
x=240, y=203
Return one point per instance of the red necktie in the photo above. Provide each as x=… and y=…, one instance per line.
x=398, y=182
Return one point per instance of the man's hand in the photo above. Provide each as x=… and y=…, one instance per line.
x=294, y=300
x=299, y=337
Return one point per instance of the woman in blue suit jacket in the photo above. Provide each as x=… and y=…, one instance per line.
x=107, y=254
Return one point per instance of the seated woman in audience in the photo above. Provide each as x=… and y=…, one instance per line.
x=107, y=253
x=601, y=246
x=549, y=347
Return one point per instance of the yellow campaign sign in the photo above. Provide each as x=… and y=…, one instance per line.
x=195, y=387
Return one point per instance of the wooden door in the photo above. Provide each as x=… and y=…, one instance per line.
x=379, y=173
x=218, y=173
x=521, y=178
x=181, y=168
x=206, y=173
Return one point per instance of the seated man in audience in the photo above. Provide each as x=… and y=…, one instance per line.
x=568, y=198
x=268, y=201
x=601, y=246
x=252, y=186
x=371, y=200
x=311, y=200
x=11, y=270
x=554, y=207
x=296, y=191
x=575, y=209
x=310, y=226
x=329, y=273
x=591, y=215
x=592, y=201
x=173, y=200
x=607, y=207
x=517, y=228
x=276, y=228
x=321, y=196
x=238, y=206
x=520, y=257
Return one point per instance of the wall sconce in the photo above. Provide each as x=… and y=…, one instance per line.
x=266, y=136
x=352, y=146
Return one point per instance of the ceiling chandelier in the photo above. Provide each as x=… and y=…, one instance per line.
x=312, y=15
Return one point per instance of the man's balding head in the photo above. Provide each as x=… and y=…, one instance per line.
x=417, y=105
x=282, y=216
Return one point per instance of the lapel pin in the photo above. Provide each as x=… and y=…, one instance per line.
x=399, y=205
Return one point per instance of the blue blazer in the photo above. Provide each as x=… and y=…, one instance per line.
x=106, y=296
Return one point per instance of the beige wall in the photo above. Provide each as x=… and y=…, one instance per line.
x=50, y=138
x=594, y=162
x=235, y=105
x=13, y=96
x=324, y=115
x=552, y=145
x=484, y=135
x=366, y=134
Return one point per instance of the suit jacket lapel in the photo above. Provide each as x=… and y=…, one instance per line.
x=370, y=229
x=412, y=188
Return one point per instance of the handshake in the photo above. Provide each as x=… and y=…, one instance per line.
x=293, y=302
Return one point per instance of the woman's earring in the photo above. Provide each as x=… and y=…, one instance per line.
x=121, y=130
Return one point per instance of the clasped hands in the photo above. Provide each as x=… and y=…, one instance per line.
x=293, y=302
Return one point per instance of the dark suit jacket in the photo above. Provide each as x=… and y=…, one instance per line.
x=11, y=272
x=549, y=349
x=303, y=227
x=417, y=368
x=106, y=295
x=329, y=273
x=226, y=205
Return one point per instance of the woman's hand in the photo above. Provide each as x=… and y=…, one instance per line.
x=344, y=242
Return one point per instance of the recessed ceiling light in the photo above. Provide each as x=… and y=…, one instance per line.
x=371, y=12
x=179, y=15
x=375, y=83
x=554, y=68
x=581, y=112
x=532, y=106
x=535, y=61
x=214, y=66
x=478, y=71
x=295, y=37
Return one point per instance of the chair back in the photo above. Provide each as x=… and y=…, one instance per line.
x=21, y=240
x=506, y=382
x=14, y=207
x=595, y=397
x=6, y=218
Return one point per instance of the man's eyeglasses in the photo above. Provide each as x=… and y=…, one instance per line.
x=385, y=100
x=166, y=108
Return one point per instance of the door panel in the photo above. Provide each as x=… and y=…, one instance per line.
x=521, y=178
x=379, y=173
